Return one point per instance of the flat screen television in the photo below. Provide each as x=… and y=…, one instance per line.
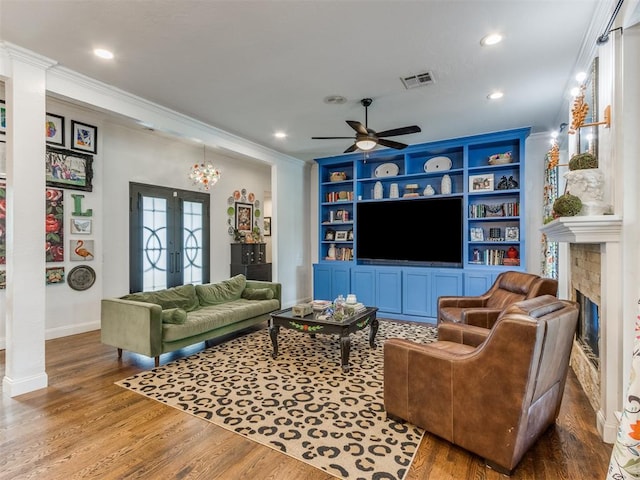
x=421, y=232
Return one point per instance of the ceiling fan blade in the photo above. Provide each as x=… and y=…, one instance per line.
x=392, y=144
x=358, y=127
x=399, y=131
x=352, y=148
x=329, y=138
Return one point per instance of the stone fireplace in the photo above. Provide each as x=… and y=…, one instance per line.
x=591, y=273
x=585, y=283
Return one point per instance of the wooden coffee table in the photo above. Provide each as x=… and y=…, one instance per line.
x=312, y=325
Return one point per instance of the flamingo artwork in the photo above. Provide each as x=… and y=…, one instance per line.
x=84, y=253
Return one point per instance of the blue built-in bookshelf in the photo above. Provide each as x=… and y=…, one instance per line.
x=485, y=171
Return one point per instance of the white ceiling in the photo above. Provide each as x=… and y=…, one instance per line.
x=254, y=67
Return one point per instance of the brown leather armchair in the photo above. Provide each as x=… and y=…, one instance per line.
x=496, y=399
x=483, y=310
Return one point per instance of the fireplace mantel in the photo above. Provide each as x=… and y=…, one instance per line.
x=606, y=231
x=584, y=229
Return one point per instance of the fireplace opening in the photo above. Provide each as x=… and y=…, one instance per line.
x=588, y=331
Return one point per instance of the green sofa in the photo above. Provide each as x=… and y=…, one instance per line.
x=153, y=323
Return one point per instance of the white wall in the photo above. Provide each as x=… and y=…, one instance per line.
x=536, y=148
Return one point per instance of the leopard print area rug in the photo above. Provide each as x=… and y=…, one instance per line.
x=300, y=403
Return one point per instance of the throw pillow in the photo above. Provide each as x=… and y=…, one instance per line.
x=257, y=293
x=174, y=315
x=183, y=296
x=221, y=292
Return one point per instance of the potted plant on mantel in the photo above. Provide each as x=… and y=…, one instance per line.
x=586, y=181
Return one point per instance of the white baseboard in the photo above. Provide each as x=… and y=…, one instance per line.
x=12, y=388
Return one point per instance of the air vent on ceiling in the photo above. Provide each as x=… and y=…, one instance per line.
x=417, y=80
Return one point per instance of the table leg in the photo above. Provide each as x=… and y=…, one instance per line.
x=273, y=333
x=345, y=349
x=373, y=329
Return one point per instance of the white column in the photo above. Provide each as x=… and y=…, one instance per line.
x=613, y=329
x=25, y=100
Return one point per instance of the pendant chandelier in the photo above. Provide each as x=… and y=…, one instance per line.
x=204, y=174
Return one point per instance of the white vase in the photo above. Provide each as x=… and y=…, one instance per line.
x=394, y=192
x=428, y=190
x=588, y=185
x=445, y=186
x=377, y=191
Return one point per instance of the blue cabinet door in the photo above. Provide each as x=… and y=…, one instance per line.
x=363, y=281
x=444, y=283
x=477, y=283
x=389, y=290
x=329, y=281
x=416, y=285
x=340, y=281
x=322, y=282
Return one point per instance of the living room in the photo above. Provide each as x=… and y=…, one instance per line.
x=141, y=141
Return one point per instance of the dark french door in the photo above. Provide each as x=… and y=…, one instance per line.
x=169, y=237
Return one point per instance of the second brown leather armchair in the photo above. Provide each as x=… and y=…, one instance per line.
x=483, y=310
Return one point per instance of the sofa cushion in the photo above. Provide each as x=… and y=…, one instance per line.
x=174, y=315
x=211, y=317
x=147, y=297
x=221, y=292
x=183, y=296
x=257, y=293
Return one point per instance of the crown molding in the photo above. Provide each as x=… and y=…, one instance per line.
x=15, y=52
x=75, y=86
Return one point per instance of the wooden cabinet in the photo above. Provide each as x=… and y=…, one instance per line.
x=249, y=259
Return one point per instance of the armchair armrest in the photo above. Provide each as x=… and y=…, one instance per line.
x=132, y=325
x=484, y=317
x=462, y=302
x=459, y=333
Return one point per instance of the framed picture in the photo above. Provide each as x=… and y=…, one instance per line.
x=267, y=226
x=81, y=250
x=244, y=217
x=84, y=137
x=80, y=226
x=67, y=169
x=330, y=234
x=512, y=233
x=54, y=275
x=3, y=117
x=477, y=234
x=54, y=129
x=479, y=183
x=341, y=236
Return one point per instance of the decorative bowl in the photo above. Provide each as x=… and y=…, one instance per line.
x=337, y=176
x=500, y=158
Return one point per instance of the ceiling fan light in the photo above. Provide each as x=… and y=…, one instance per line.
x=366, y=144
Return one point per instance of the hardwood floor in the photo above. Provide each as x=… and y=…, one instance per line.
x=84, y=426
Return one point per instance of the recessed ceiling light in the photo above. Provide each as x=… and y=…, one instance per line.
x=495, y=95
x=280, y=135
x=102, y=53
x=491, y=39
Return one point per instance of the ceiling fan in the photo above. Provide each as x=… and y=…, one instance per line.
x=366, y=138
